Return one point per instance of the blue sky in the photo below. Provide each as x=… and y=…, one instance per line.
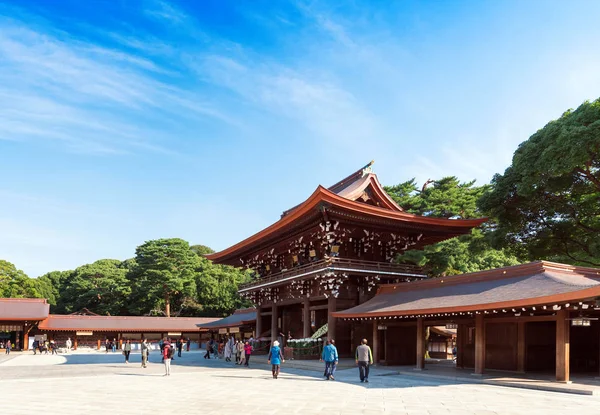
x=124, y=121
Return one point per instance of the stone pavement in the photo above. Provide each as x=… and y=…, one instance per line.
x=100, y=384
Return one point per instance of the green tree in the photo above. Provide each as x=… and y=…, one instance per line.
x=548, y=200
x=14, y=283
x=445, y=198
x=217, y=288
x=450, y=198
x=102, y=287
x=201, y=250
x=163, y=275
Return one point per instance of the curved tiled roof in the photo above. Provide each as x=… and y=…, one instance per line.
x=238, y=318
x=22, y=309
x=123, y=323
x=537, y=283
x=325, y=197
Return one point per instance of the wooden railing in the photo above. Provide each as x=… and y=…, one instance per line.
x=332, y=264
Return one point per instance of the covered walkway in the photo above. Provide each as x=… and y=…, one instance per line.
x=535, y=318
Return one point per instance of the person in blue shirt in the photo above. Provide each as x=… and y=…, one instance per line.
x=330, y=356
x=275, y=359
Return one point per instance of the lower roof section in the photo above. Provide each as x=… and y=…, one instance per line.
x=23, y=309
x=537, y=283
x=238, y=318
x=56, y=322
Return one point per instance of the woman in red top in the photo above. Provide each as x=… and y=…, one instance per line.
x=167, y=354
x=247, y=352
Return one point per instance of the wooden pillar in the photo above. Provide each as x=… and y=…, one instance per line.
x=375, y=342
x=306, y=318
x=521, y=346
x=274, y=327
x=479, y=344
x=25, y=338
x=461, y=340
x=420, y=344
x=98, y=344
x=331, y=308
x=75, y=342
x=562, y=346
x=258, y=323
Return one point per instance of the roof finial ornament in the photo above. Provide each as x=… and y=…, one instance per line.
x=368, y=168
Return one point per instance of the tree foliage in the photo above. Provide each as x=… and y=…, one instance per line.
x=101, y=287
x=16, y=284
x=449, y=198
x=548, y=200
x=164, y=271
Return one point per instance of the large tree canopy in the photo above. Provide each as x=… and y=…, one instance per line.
x=101, y=287
x=16, y=284
x=548, y=200
x=164, y=272
x=449, y=198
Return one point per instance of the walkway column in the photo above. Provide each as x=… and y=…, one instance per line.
x=75, y=342
x=420, y=344
x=375, y=342
x=331, y=308
x=479, y=344
x=25, y=339
x=258, y=323
x=98, y=344
x=306, y=318
x=461, y=335
x=521, y=346
x=274, y=318
x=562, y=346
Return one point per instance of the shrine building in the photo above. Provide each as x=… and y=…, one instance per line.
x=329, y=254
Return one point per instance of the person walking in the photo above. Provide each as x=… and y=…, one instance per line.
x=7, y=346
x=208, y=349
x=107, y=344
x=330, y=357
x=247, y=353
x=144, y=347
x=229, y=349
x=215, y=349
x=242, y=353
x=35, y=346
x=179, y=347
x=364, y=358
x=188, y=345
x=68, y=344
x=113, y=345
x=275, y=359
x=53, y=346
x=238, y=347
x=167, y=356
x=127, y=350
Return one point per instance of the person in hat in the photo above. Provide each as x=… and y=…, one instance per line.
x=275, y=359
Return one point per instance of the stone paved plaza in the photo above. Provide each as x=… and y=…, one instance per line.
x=96, y=383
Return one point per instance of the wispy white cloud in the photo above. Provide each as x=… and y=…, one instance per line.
x=94, y=99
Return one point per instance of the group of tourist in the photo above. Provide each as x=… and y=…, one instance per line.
x=45, y=346
x=230, y=349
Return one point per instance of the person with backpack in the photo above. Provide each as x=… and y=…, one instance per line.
x=167, y=356
x=275, y=359
x=330, y=357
